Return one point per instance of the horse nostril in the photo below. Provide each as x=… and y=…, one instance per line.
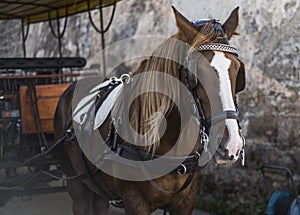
x=231, y=157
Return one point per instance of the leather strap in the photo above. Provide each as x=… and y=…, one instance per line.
x=131, y=153
x=229, y=114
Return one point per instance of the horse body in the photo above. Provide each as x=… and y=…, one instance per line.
x=155, y=117
x=92, y=190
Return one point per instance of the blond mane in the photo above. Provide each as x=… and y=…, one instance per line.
x=148, y=112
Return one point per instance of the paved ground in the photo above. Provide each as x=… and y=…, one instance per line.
x=52, y=204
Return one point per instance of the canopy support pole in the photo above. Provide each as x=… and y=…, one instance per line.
x=24, y=34
x=102, y=37
x=103, y=29
x=58, y=34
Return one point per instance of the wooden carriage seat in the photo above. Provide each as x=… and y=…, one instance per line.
x=50, y=82
x=47, y=99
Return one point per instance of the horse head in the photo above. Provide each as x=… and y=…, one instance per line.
x=214, y=75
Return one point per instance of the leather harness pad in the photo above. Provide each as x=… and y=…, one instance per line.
x=101, y=101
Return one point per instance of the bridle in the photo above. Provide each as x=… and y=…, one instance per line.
x=191, y=82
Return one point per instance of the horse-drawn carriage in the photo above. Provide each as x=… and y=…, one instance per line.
x=157, y=125
x=29, y=92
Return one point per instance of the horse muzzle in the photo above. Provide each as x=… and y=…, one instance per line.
x=222, y=156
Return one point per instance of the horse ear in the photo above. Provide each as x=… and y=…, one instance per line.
x=185, y=26
x=231, y=23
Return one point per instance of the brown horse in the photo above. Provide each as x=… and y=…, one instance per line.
x=150, y=146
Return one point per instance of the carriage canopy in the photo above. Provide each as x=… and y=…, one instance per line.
x=33, y=11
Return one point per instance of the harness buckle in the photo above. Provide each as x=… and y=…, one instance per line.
x=70, y=135
x=114, y=80
x=181, y=171
x=243, y=153
x=197, y=155
x=117, y=203
x=116, y=122
x=204, y=140
x=125, y=78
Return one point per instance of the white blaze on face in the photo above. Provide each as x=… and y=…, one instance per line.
x=222, y=64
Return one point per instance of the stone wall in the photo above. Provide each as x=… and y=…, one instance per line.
x=10, y=35
x=270, y=106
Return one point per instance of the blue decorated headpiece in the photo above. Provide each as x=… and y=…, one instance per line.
x=217, y=25
x=202, y=21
